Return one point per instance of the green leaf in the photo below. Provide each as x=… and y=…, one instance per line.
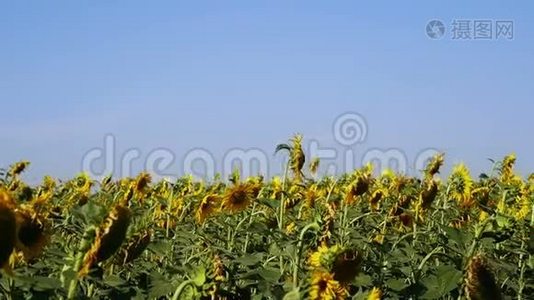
x=249, y=259
x=270, y=274
x=199, y=276
x=280, y=147
x=363, y=280
x=293, y=295
x=445, y=280
x=396, y=285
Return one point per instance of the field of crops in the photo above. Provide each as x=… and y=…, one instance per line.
x=356, y=236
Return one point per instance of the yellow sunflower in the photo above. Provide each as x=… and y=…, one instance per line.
x=433, y=166
x=32, y=232
x=237, y=197
x=460, y=184
x=480, y=282
x=325, y=287
x=8, y=223
x=108, y=239
x=207, y=207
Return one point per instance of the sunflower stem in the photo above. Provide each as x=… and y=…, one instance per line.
x=300, y=246
x=181, y=288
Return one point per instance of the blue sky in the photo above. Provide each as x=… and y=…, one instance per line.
x=220, y=75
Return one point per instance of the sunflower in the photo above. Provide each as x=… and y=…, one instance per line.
x=207, y=207
x=375, y=294
x=524, y=204
x=316, y=258
x=8, y=223
x=325, y=287
x=108, y=239
x=428, y=194
x=135, y=247
x=507, y=168
x=374, y=201
x=460, y=184
x=328, y=258
x=297, y=157
x=347, y=265
x=291, y=228
x=433, y=166
x=314, y=165
x=32, y=232
x=18, y=168
x=141, y=184
x=237, y=197
x=480, y=282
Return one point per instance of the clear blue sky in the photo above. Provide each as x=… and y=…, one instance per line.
x=226, y=74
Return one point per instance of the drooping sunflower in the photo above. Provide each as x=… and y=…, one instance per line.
x=311, y=194
x=18, y=168
x=296, y=156
x=135, y=247
x=207, y=207
x=480, y=282
x=141, y=184
x=8, y=224
x=429, y=193
x=325, y=287
x=108, y=238
x=374, y=201
x=33, y=232
x=346, y=265
x=237, y=197
x=507, y=168
x=314, y=165
x=523, y=205
x=328, y=222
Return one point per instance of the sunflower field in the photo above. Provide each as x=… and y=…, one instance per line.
x=360, y=235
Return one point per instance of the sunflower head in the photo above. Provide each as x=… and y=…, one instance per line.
x=507, y=168
x=108, y=238
x=8, y=223
x=480, y=282
x=433, y=166
x=374, y=201
x=347, y=265
x=325, y=287
x=311, y=194
x=460, y=183
x=314, y=165
x=325, y=257
x=33, y=232
x=237, y=197
x=297, y=157
x=135, y=247
x=208, y=206
x=429, y=193
x=141, y=184
x=18, y=168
